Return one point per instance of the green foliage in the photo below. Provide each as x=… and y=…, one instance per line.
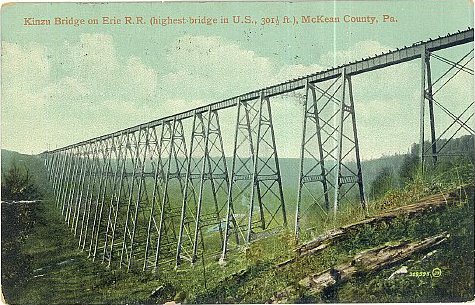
x=454, y=258
x=17, y=184
x=34, y=164
x=463, y=146
x=260, y=285
x=383, y=182
x=18, y=220
x=447, y=175
x=450, y=173
x=397, y=197
x=252, y=276
x=254, y=279
x=408, y=169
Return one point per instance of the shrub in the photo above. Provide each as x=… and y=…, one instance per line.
x=18, y=185
x=383, y=182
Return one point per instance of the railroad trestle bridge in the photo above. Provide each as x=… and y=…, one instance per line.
x=151, y=194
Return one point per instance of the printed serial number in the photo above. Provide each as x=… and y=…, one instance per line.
x=419, y=273
x=436, y=272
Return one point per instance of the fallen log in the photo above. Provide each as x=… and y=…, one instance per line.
x=364, y=262
x=367, y=261
x=431, y=203
x=326, y=237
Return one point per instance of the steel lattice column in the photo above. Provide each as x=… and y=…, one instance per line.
x=63, y=184
x=255, y=176
x=165, y=235
x=98, y=195
x=74, y=195
x=77, y=163
x=107, y=187
x=312, y=166
x=94, y=175
x=135, y=222
x=188, y=209
x=429, y=89
x=85, y=176
x=351, y=176
x=329, y=152
x=57, y=169
x=160, y=229
x=206, y=141
x=112, y=228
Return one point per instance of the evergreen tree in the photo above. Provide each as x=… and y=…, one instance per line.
x=17, y=184
x=408, y=169
x=383, y=182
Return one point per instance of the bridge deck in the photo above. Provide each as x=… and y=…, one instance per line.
x=393, y=57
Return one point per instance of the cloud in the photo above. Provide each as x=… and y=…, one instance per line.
x=48, y=91
x=94, y=89
x=26, y=66
x=361, y=49
x=143, y=78
x=87, y=88
x=95, y=62
x=95, y=55
x=211, y=67
x=25, y=70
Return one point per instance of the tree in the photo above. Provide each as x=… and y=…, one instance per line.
x=383, y=182
x=17, y=184
x=408, y=169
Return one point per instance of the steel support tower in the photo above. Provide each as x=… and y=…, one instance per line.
x=159, y=195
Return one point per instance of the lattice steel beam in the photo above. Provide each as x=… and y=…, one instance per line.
x=329, y=140
x=429, y=89
x=204, y=173
x=364, y=65
x=255, y=176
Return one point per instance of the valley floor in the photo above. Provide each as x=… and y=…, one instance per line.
x=53, y=271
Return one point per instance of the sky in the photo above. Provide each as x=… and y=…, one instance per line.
x=65, y=84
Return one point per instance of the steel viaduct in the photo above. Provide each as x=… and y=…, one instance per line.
x=150, y=194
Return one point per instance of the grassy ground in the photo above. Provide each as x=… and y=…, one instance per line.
x=41, y=263
x=454, y=258
x=56, y=273
x=53, y=271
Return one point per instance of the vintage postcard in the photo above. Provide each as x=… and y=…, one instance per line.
x=237, y=152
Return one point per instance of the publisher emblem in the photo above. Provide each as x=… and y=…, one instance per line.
x=436, y=272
